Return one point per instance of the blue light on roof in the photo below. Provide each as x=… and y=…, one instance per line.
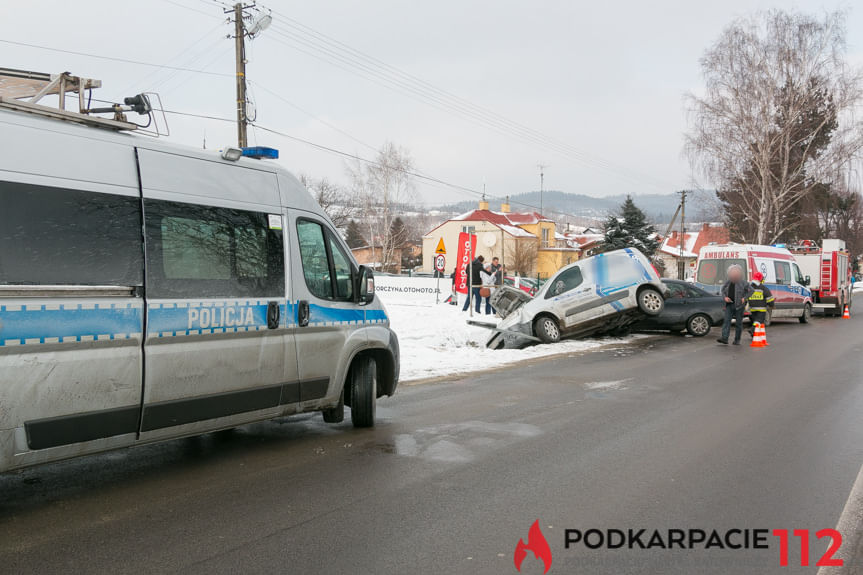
x=261, y=152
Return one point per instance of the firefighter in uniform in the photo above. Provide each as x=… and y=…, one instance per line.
x=760, y=299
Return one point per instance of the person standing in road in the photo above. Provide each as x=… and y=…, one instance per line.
x=735, y=290
x=760, y=298
x=475, y=284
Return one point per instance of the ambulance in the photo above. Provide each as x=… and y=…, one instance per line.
x=780, y=269
x=150, y=291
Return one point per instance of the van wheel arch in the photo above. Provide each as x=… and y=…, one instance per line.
x=387, y=377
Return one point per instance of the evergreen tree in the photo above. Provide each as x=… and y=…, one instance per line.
x=354, y=236
x=398, y=233
x=630, y=229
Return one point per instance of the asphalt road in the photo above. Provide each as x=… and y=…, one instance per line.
x=673, y=432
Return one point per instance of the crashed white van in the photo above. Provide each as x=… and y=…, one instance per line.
x=150, y=291
x=604, y=293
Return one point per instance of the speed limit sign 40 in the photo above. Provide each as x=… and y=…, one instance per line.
x=440, y=262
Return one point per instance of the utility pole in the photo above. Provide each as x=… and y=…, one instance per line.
x=240, y=55
x=681, y=264
x=258, y=21
x=542, y=168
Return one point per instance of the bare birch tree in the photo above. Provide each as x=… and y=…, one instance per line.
x=776, y=118
x=336, y=201
x=384, y=188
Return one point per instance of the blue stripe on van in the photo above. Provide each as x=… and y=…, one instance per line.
x=55, y=323
x=74, y=322
x=192, y=318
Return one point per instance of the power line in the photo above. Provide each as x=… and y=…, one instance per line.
x=357, y=157
x=116, y=59
x=410, y=91
x=344, y=53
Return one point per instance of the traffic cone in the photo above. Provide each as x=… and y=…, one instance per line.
x=847, y=314
x=760, y=337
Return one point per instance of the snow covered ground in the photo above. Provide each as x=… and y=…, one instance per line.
x=436, y=341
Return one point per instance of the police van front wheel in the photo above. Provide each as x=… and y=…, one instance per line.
x=364, y=390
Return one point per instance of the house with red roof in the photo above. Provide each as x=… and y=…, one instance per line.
x=525, y=242
x=674, y=250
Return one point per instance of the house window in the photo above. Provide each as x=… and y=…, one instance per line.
x=545, y=237
x=468, y=229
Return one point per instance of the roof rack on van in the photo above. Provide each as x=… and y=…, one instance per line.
x=22, y=90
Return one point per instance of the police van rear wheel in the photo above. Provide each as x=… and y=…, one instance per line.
x=364, y=390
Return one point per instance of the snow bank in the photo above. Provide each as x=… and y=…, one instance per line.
x=436, y=341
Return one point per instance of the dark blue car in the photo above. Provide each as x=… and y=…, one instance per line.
x=687, y=307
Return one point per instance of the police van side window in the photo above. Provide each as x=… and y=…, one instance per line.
x=342, y=268
x=326, y=267
x=58, y=236
x=313, y=253
x=202, y=251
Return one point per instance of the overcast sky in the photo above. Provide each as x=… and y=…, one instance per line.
x=604, y=79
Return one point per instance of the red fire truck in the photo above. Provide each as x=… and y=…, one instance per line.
x=829, y=272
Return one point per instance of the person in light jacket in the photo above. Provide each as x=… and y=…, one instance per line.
x=489, y=279
x=735, y=290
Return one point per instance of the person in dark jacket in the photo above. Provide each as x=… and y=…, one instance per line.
x=760, y=298
x=475, y=284
x=735, y=290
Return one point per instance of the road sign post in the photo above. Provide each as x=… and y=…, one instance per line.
x=439, y=266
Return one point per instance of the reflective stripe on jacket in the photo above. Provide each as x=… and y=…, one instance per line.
x=760, y=297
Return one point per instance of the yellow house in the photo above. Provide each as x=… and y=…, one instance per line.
x=525, y=242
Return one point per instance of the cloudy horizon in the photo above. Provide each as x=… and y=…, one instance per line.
x=592, y=91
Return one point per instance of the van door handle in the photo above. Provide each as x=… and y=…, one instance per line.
x=302, y=313
x=274, y=314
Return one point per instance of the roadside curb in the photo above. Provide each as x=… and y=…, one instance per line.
x=645, y=338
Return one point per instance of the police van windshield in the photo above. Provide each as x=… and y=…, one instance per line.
x=714, y=272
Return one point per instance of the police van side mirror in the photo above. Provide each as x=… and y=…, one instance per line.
x=807, y=280
x=365, y=286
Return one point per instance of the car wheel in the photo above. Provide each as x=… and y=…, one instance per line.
x=364, y=390
x=650, y=302
x=698, y=325
x=768, y=318
x=547, y=329
x=335, y=414
x=807, y=314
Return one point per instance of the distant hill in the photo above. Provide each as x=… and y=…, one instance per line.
x=658, y=207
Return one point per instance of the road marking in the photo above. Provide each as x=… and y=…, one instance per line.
x=850, y=525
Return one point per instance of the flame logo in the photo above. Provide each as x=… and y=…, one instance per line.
x=537, y=543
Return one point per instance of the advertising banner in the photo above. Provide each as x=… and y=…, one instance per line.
x=466, y=249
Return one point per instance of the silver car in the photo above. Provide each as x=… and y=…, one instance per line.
x=600, y=294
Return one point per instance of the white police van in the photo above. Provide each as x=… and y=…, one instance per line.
x=150, y=291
